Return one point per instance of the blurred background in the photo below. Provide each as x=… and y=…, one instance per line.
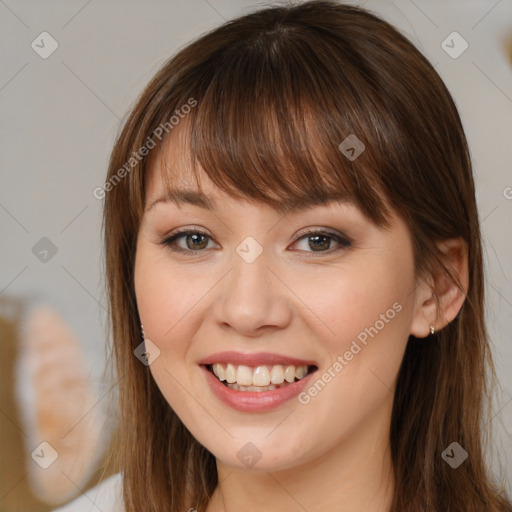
x=69, y=73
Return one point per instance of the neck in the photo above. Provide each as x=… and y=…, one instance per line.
x=356, y=475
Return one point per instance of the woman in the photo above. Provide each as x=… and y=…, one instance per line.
x=290, y=220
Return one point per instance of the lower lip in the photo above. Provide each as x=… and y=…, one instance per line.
x=254, y=401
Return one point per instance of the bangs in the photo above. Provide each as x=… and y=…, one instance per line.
x=266, y=127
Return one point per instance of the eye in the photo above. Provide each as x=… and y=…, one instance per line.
x=194, y=240
x=321, y=240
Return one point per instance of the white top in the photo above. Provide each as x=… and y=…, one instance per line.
x=107, y=497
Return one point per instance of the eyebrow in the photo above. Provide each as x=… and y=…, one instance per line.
x=195, y=198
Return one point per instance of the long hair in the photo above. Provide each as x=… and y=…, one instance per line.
x=266, y=100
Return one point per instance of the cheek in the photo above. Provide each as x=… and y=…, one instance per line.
x=165, y=299
x=368, y=312
x=360, y=303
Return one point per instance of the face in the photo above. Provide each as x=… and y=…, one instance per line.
x=303, y=318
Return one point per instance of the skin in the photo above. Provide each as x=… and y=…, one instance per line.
x=332, y=452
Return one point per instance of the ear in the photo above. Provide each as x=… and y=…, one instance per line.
x=438, y=298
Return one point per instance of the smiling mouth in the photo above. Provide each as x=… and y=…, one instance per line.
x=259, y=378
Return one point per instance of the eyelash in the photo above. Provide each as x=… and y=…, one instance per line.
x=342, y=240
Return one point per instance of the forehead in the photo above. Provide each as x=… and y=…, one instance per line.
x=210, y=197
x=191, y=166
x=171, y=178
x=181, y=189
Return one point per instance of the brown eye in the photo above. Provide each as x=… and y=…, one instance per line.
x=197, y=241
x=194, y=241
x=321, y=241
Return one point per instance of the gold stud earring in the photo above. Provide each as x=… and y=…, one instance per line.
x=432, y=329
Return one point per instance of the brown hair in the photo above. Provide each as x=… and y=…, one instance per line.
x=276, y=92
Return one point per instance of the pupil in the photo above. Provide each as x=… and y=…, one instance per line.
x=316, y=239
x=195, y=236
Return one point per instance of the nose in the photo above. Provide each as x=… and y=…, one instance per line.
x=254, y=298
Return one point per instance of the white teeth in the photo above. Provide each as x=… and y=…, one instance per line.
x=218, y=369
x=230, y=373
x=300, y=371
x=289, y=374
x=259, y=378
x=277, y=374
x=244, y=376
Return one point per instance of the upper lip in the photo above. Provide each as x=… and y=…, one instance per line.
x=255, y=359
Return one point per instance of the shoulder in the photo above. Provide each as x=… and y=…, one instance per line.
x=107, y=497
